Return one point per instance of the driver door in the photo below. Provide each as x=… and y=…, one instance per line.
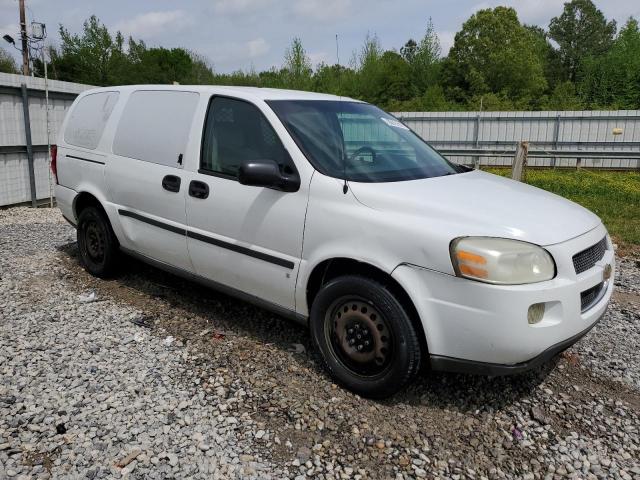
x=244, y=237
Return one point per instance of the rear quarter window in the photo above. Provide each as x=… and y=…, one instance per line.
x=88, y=118
x=155, y=125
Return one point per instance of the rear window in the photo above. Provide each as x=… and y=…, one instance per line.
x=88, y=118
x=155, y=126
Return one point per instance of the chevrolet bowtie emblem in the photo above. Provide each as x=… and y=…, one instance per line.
x=606, y=273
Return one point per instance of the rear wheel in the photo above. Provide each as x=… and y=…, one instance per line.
x=366, y=337
x=97, y=243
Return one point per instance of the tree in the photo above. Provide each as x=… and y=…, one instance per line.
x=563, y=97
x=7, y=62
x=408, y=51
x=90, y=57
x=335, y=79
x=425, y=59
x=297, y=66
x=95, y=57
x=581, y=31
x=392, y=79
x=367, y=65
x=613, y=80
x=494, y=53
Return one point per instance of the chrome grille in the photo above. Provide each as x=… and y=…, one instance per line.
x=590, y=296
x=586, y=259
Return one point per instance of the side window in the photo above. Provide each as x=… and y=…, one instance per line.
x=155, y=125
x=88, y=119
x=236, y=131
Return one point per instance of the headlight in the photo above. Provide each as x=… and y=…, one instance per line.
x=501, y=261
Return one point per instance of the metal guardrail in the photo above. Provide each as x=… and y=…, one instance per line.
x=590, y=139
x=483, y=152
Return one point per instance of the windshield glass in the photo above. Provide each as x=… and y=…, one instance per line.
x=359, y=142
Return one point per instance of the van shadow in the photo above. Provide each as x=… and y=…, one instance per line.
x=198, y=308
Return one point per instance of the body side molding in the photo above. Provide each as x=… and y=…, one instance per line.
x=213, y=241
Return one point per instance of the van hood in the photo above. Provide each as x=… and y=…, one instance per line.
x=480, y=203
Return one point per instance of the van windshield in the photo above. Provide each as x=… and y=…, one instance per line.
x=359, y=142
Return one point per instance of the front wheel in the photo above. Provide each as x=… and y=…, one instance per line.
x=365, y=336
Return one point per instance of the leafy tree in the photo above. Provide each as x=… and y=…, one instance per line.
x=563, y=97
x=391, y=80
x=90, y=57
x=426, y=61
x=96, y=57
x=297, y=66
x=201, y=69
x=494, y=53
x=581, y=31
x=433, y=100
x=7, y=62
x=367, y=65
x=550, y=56
x=613, y=79
x=409, y=50
x=335, y=79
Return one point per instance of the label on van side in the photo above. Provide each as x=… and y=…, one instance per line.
x=394, y=123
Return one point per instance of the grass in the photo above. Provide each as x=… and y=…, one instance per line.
x=613, y=196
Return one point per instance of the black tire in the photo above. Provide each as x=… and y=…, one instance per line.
x=98, y=245
x=347, y=313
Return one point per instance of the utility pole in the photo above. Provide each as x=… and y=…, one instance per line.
x=25, y=39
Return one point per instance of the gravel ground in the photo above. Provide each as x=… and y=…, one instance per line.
x=149, y=376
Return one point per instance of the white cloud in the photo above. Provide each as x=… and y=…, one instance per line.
x=152, y=24
x=446, y=41
x=12, y=29
x=257, y=47
x=322, y=10
x=320, y=57
x=238, y=53
x=239, y=6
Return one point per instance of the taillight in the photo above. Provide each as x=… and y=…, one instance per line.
x=54, y=161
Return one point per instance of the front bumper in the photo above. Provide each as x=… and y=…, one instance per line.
x=474, y=326
x=458, y=365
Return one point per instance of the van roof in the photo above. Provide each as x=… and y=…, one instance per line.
x=243, y=92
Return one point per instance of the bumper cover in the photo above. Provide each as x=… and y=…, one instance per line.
x=459, y=365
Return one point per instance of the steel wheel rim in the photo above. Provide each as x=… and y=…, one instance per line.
x=94, y=242
x=359, y=336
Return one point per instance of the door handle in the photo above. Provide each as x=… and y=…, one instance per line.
x=198, y=189
x=171, y=183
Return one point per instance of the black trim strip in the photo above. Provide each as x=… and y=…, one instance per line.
x=85, y=159
x=155, y=223
x=212, y=241
x=243, y=250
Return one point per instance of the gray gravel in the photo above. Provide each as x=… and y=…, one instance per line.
x=84, y=391
x=148, y=376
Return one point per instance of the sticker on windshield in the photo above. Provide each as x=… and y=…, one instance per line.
x=394, y=123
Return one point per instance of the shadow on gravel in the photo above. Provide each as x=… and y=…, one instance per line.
x=140, y=282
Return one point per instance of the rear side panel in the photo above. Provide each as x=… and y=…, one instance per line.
x=81, y=157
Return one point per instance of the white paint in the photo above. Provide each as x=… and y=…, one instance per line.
x=402, y=228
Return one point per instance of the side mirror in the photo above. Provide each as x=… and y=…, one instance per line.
x=266, y=173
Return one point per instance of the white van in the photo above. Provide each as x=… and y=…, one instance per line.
x=332, y=212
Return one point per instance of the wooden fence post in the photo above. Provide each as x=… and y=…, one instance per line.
x=520, y=161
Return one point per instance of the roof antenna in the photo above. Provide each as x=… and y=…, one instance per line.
x=345, y=186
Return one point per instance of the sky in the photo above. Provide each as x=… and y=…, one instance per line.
x=244, y=34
